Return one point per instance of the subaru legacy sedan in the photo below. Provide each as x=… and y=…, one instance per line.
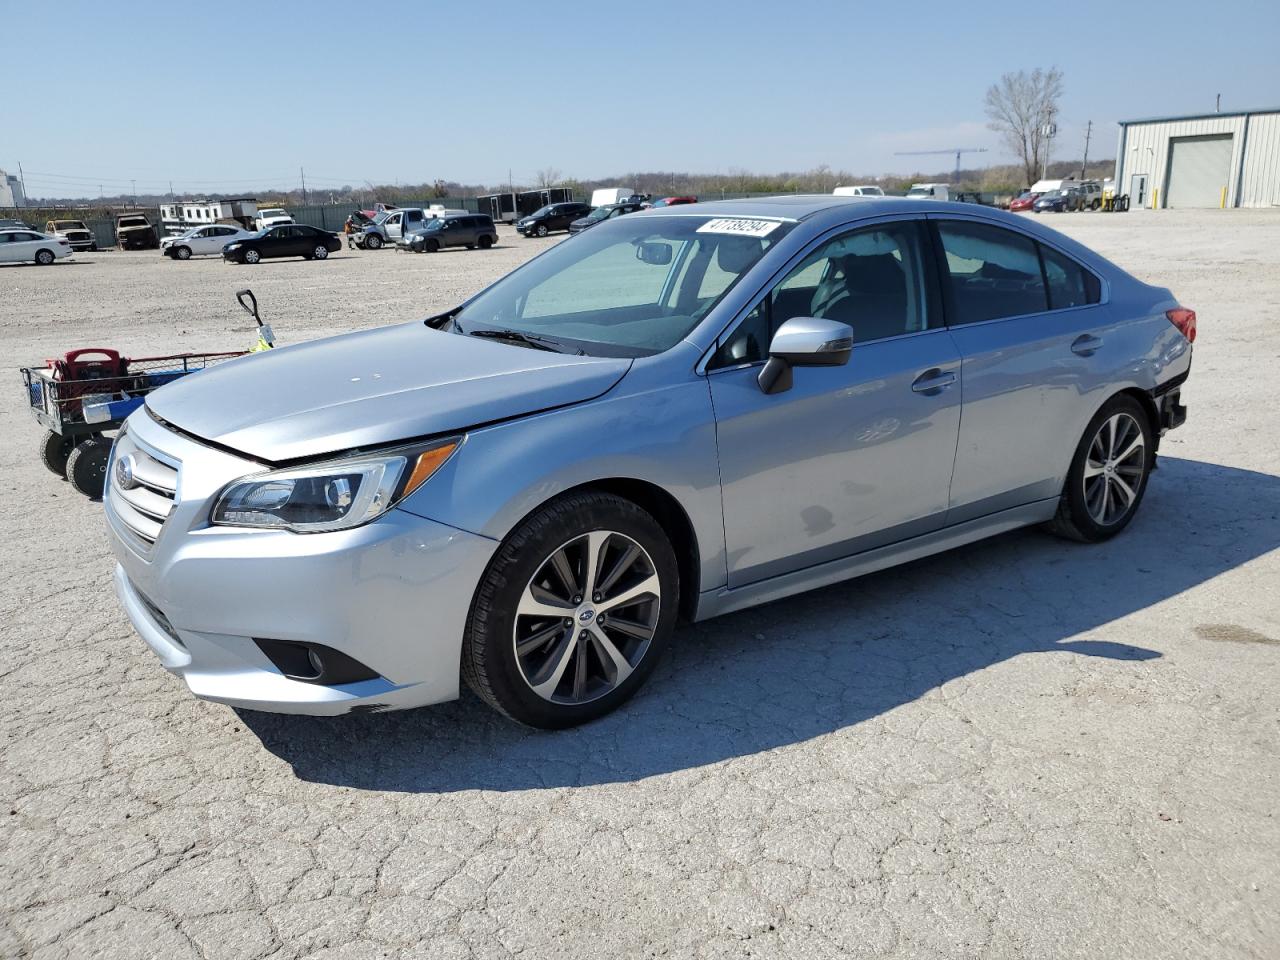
x=678, y=414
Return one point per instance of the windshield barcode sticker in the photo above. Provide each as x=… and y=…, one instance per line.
x=740, y=226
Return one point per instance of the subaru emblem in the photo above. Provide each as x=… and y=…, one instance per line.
x=586, y=616
x=125, y=479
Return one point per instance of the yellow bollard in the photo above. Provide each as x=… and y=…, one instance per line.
x=1223, y=204
x=1155, y=199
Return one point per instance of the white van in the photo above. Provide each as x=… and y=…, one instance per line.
x=866, y=190
x=929, y=191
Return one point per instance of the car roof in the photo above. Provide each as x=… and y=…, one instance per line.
x=795, y=206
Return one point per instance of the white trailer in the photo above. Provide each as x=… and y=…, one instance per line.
x=606, y=195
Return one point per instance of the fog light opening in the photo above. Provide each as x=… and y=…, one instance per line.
x=314, y=662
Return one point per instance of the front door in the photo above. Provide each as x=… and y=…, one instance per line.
x=1137, y=191
x=849, y=458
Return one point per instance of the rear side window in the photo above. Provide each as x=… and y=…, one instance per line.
x=993, y=272
x=1070, y=285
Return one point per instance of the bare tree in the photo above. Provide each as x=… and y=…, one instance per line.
x=1018, y=108
x=547, y=177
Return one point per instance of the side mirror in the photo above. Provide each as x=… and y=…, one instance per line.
x=804, y=342
x=658, y=254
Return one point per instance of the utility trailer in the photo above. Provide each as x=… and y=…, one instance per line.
x=510, y=207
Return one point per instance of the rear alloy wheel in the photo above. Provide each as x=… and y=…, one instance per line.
x=1108, y=474
x=250, y=256
x=573, y=612
x=87, y=466
x=542, y=230
x=44, y=257
x=183, y=253
x=321, y=252
x=373, y=242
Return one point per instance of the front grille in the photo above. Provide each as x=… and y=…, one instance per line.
x=145, y=503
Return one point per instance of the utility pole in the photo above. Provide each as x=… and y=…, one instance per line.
x=1047, y=132
x=22, y=179
x=134, y=184
x=303, y=174
x=1088, y=132
x=1217, y=108
x=171, y=191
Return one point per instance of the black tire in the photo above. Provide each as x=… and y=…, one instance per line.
x=489, y=661
x=1075, y=519
x=250, y=256
x=486, y=242
x=541, y=230
x=54, y=451
x=182, y=253
x=87, y=466
x=373, y=242
x=44, y=257
x=431, y=246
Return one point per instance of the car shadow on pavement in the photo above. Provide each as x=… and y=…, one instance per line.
x=826, y=660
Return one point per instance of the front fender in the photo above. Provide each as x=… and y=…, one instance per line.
x=664, y=436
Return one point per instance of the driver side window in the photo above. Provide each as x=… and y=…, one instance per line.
x=873, y=279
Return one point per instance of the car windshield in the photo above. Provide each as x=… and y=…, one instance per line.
x=600, y=213
x=133, y=222
x=919, y=192
x=68, y=225
x=543, y=211
x=632, y=287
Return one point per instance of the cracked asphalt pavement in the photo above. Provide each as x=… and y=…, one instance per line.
x=1024, y=748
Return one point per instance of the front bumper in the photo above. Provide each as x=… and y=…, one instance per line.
x=393, y=595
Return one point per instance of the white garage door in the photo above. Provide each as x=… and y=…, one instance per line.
x=1199, y=168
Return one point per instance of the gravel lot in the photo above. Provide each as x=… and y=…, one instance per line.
x=1025, y=748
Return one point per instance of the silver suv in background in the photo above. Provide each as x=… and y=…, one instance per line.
x=675, y=415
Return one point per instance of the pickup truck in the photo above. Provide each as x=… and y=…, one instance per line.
x=74, y=232
x=135, y=232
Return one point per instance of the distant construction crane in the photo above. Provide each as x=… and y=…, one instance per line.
x=956, y=150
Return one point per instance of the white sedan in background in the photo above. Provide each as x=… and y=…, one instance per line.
x=202, y=241
x=27, y=246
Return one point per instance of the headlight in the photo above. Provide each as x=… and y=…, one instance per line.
x=330, y=496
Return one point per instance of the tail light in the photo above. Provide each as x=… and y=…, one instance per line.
x=1184, y=320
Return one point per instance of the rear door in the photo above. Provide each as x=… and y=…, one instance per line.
x=849, y=458
x=1029, y=350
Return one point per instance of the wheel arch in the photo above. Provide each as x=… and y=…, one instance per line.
x=1148, y=404
x=670, y=515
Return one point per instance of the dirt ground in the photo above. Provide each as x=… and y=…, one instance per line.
x=1025, y=748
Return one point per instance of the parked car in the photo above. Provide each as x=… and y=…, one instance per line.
x=552, y=217
x=285, y=240
x=1090, y=194
x=929, y=191
x=671, y=201
x=135, y=232
x=1058, y=201
x=8, y=223
x=203, y=241
x=600, y=214
x=74, y=232
x=386, y=228
x=657, y=421
x=468, y=230
x=27, y=246
x=272, y=216
x=1024, y=201
x=865, y=190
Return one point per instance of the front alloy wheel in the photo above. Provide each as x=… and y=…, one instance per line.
x=573, y=612
x=251, y=256
x=587, y=617
x=542, y=230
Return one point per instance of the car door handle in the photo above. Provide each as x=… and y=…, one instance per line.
x=1085, y=345
x=933, y=382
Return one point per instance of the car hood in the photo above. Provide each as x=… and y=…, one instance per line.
x=374, y=387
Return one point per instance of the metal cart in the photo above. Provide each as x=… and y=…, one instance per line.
x=82, y=396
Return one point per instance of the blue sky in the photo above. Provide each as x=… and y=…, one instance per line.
x=240, y=95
